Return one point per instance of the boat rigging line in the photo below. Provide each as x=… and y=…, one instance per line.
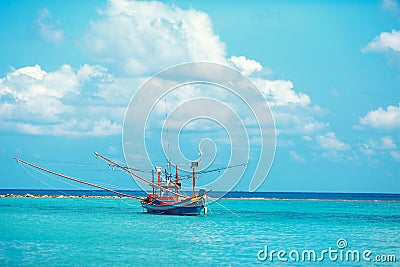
x=213, y=170
x=76, y=180
x=139, y=177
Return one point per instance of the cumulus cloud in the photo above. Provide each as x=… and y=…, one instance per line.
x=395, y=155
x=293, y=111
x=385, y=144
x=296, y=157
x=35, y=101
x=72, y=127
x=281, y=92
x=367, y=149
x=380, y=118
x=391, y=6
x=335, y=156
x=133, y=40
x=144, y=37
x=294, y=120
x=329, y=141
x=246, y=66
x=384, y=42
x=47, y=27
x=26, y=91
x=141, y=38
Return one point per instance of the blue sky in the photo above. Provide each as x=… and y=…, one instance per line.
x=329, y=70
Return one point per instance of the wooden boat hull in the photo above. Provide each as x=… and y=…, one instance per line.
x=192, y=206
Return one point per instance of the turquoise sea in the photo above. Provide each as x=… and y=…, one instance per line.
x=116, y=232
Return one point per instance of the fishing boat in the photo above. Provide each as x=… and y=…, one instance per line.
x=165, y=197
x=169, y=201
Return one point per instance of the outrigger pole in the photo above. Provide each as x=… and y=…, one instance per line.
x=139, y=177
x=76, y=180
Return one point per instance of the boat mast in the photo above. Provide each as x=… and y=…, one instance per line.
x=193, y=165
x=152, y=179
x=176, y=181
x=159, y=169
x=194, y=183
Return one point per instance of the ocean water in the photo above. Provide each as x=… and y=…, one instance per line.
x=116, y=232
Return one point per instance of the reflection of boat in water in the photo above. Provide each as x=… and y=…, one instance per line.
x=165, y=198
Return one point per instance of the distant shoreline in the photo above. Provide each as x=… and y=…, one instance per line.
x=236, y=195
x=315, y=199
x=52, y=196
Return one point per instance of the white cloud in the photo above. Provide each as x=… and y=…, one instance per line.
x=395, y=155
x=66, y=101
x=71, y=127
x=33, y=94
x=46, y=27
x=373, y=147
x=314, y=126
x=144, y=37
x=298, y=120
x=367, y=150
x=292, y=111
x=281, y=93
x=382, y=119
x=386, y=41
x=384, y=143
x=387, y=143
x=141, y=38
x=329, y=141
x=390, y=5
x=246, y=66
x=333, y=155
x=134, y=39
x=296, y=157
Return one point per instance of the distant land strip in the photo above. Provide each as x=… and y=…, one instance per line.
x=234, y=195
